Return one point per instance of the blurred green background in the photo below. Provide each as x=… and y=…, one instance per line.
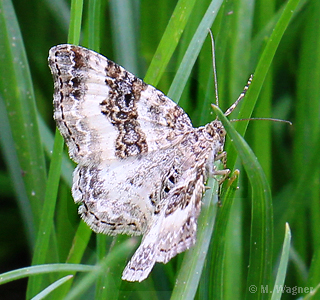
x=129, y=33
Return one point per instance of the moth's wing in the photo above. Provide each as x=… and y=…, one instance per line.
x=173, y=232
x=174, y=229
x=179, y=227
x=143, y=260
x=183, y=200
x=105, y=112
x=118, y=197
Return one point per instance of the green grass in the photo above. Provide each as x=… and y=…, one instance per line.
x=245, y=242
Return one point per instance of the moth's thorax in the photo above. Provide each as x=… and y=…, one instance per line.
x=216, y=133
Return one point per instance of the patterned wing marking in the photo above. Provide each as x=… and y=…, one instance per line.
x=179, y=227
x=105, y=112
x=143, y=260
x=164, y=123
x=121, y=198
x=79, y=87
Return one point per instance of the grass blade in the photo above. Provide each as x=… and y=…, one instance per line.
x=113, y=258
x=261, y=242
x=189, y=274
x=52, y=287
x=75, y=22
x=17, y=92
x=46, y=224
x=47, y=216
x=192, y=53
x=43, y=269
x=217, y=263
x=169, y=40
x=263, y=68
x=13, y=165
x=282, y=269
x=124, y=34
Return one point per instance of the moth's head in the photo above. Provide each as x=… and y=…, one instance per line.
x=216, y=130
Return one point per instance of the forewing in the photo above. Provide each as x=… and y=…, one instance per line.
x=105, y=112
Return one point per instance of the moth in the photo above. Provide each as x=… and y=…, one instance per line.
x=141, y=165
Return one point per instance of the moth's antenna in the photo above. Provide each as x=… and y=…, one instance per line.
x=214, y=68
x=262, y=119
x=234, y=105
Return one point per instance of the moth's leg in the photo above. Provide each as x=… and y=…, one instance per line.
x=224, y=172
x=213, y=172
x=232, y=178
x=229, y=182
x=223, y=158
